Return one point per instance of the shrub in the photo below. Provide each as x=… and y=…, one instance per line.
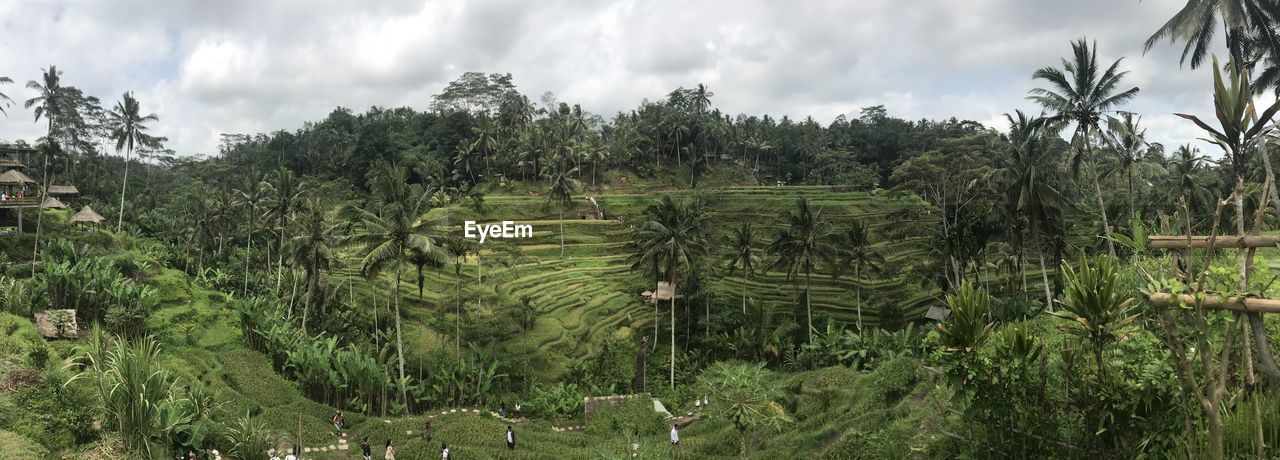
x=633, y=415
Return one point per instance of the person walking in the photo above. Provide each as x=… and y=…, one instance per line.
x=675, y=435
x=390, y=454
x=338, y=422
x=518, y=414
x=502, y=410
x=511, y=438
x=444, y=451
x=365, y=450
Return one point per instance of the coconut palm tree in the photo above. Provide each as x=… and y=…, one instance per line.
x=741, y=244
x=561, y=188
x=1184, y=169
x=128, y=129
x=1025, y=187
x=283, y=192
x=390, y=231
x=854, y=253
x=805, y=243
x=48, y=102
x=672, y=240
x=250, y=198
x=313, y=250
x=1081, y=93
x=1197, y=22
x=1129, y=142
x=4, y=98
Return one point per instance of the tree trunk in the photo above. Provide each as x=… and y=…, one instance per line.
x=1133, y=213
x=857, y=289
x=673, y=329
x=561, y=232
x=808, y=306
x=404, y=395
x=44, y=180
x=123, y=186
x=1097, y=189
x=744, y=292
x=248, y=247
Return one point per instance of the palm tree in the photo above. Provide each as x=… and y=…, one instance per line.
x=801, y=247
x=250, y=198
x=1025, y=184
x=390, y=231
x=672, y=240
x=1130, y=144
x=1079, y=93
x=4, y=98
x=48, y=103
x=1184, y=168
x=1197, y=23
x=741, y=243
x=283, y=192
x=856, y=254
x=560, y=192
x=128, y=129
x=312, y=249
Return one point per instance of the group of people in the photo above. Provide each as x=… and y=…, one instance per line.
x=389, y=453
x=516, y=411
x=6, y=196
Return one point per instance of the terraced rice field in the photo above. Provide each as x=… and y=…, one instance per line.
x=592, y=291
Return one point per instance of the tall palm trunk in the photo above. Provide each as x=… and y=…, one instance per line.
x=673, y=329
x=857, y=289
x=744, y=291
x=808, y=305
x=562, y=234
x=123, y=186
x=44, y=190
x=404, y=394
x=248, y=248
x=1097, y=189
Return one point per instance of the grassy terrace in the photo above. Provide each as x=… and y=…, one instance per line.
x=592, y=292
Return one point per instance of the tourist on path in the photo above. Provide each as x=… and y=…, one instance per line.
x=391, y=451
x=502, y=410
x=511, y=438
x=675, y=435
x=444, y=451
x=518, y=415
x=338, y=422
x=365, y=449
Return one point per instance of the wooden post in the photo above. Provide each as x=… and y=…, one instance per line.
x=1221, y=241
x=1219, y=302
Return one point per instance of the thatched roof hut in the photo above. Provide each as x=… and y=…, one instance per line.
x=52, y=203
x=63, y=190
x=87, y=215
x=15, y=177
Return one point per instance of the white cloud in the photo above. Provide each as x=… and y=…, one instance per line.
x=240, y=66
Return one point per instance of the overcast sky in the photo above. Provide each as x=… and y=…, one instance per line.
x=231, y=66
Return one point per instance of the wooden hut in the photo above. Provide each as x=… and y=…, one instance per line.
x=63, y=190
x=87, y=215
x=52, y=203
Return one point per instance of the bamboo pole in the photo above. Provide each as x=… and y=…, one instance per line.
x=1222, y=241
x=1219, y=302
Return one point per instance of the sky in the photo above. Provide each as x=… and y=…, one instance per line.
x=239, y=66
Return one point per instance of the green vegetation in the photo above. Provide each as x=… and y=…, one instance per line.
x=872, y=288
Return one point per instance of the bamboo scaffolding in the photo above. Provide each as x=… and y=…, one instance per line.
x=1201, y=241
x=1219, y=302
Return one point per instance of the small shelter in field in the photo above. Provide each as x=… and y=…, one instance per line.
x=63, y=190
x=52, y=203
x=87, y=215
x=937, y=313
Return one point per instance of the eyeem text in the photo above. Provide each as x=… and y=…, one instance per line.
x=507, y=229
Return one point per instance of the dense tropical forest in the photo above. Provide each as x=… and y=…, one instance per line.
x=771, y=287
